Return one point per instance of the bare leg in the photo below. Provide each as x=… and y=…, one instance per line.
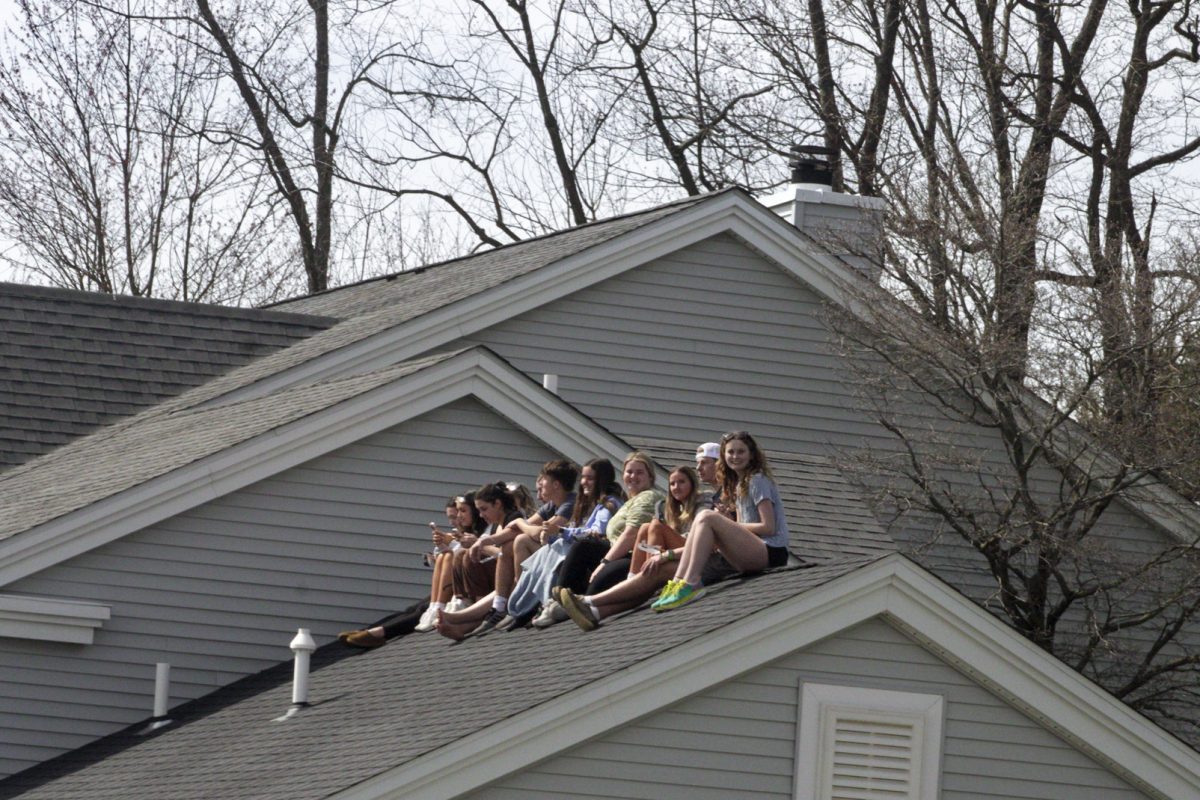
x=457, y=624
x=631, y=592
x=524, y=546
x=505, y=568
x=638, y=556
x=445, y=585
x=712, y=532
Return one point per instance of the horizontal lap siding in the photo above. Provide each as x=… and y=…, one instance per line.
x=688, y=346
x=220, y=590
x=738, y=739
x=713, y=338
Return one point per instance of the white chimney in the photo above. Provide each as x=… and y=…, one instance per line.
x=847, y=226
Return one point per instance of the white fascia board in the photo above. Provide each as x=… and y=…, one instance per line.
x=893, y=588
x=733, y=213
x=50, y=619
x=475, y=372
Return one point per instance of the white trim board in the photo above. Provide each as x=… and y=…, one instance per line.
x=50, y=619
x=962, y=633
x=477, y=372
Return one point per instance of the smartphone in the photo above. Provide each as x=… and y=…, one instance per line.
x=646, y=547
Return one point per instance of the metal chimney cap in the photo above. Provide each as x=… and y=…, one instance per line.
x=812, y=163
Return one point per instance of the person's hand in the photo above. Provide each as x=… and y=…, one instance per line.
x=476, y=551
x=651, y=564
x=467, y=539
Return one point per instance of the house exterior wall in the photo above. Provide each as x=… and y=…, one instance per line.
x=738, y=739
x=218, y=592
x=714, y=338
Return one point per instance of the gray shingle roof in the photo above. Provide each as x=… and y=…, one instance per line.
x=827, y=517
x=72, y=361
x=374, y=306
x=151, y=444
x=381, y=709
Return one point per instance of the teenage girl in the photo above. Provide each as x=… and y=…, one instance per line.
x=755, y=541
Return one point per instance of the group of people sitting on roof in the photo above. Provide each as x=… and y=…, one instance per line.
x=596, y=547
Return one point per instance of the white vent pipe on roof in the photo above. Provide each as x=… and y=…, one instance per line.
x=303, y=646
x=550, y=383
x=162, y=688
x=162, y=696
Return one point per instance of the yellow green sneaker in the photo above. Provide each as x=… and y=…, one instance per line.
x=683, y=594
x=666, y=592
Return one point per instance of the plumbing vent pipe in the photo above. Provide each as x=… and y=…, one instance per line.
x=162, y=689
x=162, y=696
x=550, y=383
x=303, y=646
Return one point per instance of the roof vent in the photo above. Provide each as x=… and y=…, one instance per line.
x=162, y=694
x=811, y=164
x=303, y=646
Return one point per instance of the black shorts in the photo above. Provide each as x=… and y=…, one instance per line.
x=777, y=556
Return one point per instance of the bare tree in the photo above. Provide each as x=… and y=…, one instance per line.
x=1014, y=483
x=103, y=182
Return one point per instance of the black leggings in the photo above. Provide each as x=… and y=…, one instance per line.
x=576, y=569
x=402, y=622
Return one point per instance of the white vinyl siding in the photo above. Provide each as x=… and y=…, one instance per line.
x=739, y=739
x=218, y=592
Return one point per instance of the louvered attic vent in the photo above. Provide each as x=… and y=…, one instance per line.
x=867, y=744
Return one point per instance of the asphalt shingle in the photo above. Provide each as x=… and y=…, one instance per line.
x=128, y=453
x=384, y=708
x=84, y=359
x=827, y=517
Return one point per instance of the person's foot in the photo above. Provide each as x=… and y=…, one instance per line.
x=427, y=620
x=578, y=610
x=683, y=594
x=364, y=640
x=452, y=630
x=344, y=635
x=552, y=614
x=666, y=592
x=493, y=619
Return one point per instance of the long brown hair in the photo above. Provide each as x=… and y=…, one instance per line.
x=606, y=480
x=731, y=487
x=680, y=515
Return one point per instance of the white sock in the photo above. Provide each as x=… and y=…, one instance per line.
x=500, y=604
x=587, y=601
x=437, y=606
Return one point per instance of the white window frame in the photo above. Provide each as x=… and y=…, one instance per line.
x=819, y=700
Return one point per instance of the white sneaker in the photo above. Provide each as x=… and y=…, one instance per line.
x=428, y=620
x=456, y=604
x=551, y=614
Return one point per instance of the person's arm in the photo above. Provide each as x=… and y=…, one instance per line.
x=760, y=495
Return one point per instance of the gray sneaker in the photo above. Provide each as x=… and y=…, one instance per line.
x=552, y=614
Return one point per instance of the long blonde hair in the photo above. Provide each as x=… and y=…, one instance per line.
x=680, y=515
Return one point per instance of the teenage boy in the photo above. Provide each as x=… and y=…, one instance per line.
x=554, y=483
